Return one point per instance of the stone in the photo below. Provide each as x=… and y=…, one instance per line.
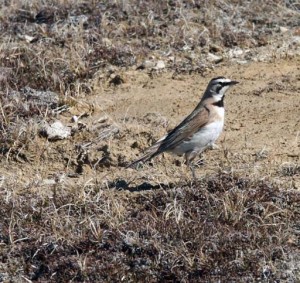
x=283, y=29
x=56, y=131
x=214, y=58
x=160, y=65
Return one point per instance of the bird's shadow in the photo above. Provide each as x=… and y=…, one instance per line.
x=123, y=185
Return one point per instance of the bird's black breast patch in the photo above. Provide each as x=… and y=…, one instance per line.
x=219, y=103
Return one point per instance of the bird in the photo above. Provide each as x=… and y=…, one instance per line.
x=198, y=131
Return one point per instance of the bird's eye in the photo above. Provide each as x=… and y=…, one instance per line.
x=219, y=87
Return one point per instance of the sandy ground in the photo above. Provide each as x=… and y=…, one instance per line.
x=261, y=136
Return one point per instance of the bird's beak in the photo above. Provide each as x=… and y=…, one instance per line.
x=234, y=82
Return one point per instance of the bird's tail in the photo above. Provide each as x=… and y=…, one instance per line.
x=151, y=152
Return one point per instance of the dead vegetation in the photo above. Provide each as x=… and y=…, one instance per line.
x=68, y=209
x=223, y=228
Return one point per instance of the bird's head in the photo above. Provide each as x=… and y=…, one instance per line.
x=217, y=88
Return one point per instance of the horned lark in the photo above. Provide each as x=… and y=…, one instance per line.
x=197, y=131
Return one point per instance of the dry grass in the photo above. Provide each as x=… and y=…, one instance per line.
x=223, y=228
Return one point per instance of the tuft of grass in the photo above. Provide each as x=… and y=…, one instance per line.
x=289, y=169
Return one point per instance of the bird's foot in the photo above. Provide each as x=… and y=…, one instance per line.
x=200, y=162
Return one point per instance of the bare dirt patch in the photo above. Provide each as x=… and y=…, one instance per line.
x=261, y=131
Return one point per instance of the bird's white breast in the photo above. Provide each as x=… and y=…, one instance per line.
x=202, y=139
x=220, y=111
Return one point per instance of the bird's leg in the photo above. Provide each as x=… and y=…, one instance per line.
x=189, y=157
x=192, y=167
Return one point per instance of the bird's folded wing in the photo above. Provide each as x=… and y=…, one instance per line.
x=185, y=130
